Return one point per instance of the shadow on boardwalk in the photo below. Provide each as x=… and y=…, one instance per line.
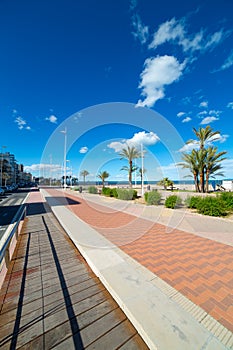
x=51, y=298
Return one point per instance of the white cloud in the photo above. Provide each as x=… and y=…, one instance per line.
x=117, y=145
x=83, y=150
x=190, y=146
x=180, y=114
x=186, y=100
x=203, y=104
x=42, y=167
x=227, y=63
x=144, y=138
x=186, y=120
x=208, y=120
x=141, y=32
x=218, y=137
x=230, y=105
x=175, y=31
x=167, y=31
x=214, y=39
x=22, y=124
x=214, y=112
x=201, y=114
x=147, y=139
x=52, y=119
x=196, y=144
x=158, y=72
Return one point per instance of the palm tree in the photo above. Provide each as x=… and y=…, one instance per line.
x=190, y=161
x=141, y=173
x=103, y=176
x=212, y=163
x=165, y=182
x=84, y=173
x=203, y=135
x=129, y=153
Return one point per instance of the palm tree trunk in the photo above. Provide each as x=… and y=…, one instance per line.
x=130, y=173
x=202, y=182
x=207, y=181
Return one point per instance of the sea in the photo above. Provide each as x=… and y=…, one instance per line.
x=147, y=182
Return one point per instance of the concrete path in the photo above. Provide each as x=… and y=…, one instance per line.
x=52, y=299
x=177, y=289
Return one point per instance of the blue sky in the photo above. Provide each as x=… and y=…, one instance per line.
x=60, y=58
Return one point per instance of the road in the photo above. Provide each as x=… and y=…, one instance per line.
x=9, y=205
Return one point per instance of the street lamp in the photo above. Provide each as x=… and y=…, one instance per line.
x=2, y=163
x=64, y=160
x=142, y=170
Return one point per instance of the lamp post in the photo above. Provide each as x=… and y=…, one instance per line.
x=142, y=170
x=2, y=163
x=64, y=160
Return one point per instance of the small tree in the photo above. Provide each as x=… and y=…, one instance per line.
x=84, y=173
x=141, y=173
x=165, y=182
x=5, y=177
x=103, y=176
x=129, y=153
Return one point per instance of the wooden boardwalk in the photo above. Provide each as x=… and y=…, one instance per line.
x=51, y=298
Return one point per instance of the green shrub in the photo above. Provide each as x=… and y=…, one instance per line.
x=106, y=191
x=213, y=206
x=126, y=194
x=172, y=201
x=192, y=202
x=114, y=192
x=92, y=189
x=227, y=198
x=153, y=197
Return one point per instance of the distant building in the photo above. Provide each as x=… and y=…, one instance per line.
x=10, y=171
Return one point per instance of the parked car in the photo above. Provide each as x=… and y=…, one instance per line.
x=2, y=192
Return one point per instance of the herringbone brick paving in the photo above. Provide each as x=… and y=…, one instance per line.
x=199, y=268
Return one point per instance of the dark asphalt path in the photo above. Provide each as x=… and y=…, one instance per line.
x=9, y=205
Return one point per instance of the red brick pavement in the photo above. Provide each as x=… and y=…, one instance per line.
x=199, y=268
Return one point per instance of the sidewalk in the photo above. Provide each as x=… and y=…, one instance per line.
x=51, y=298
x=174, y=286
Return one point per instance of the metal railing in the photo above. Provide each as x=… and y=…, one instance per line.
x=18, y=218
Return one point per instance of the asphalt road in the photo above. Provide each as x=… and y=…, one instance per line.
x=9, y=205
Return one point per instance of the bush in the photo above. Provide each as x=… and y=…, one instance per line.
x=126, y=194
x=227, y=198
x=92, y=189
x=192, y=202
x=114, y=192
x=172, y=201
x=213, y=206
x=106, y=191
x=152, y=198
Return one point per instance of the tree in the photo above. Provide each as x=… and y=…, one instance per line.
x=103, y=176
x=203, y=162
x=212, y=163
x=165, y=182
x=5, y=176
x=129, y=153
x=203, y=135
x=191, y=163
x=84, y=173
x=141, y=173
